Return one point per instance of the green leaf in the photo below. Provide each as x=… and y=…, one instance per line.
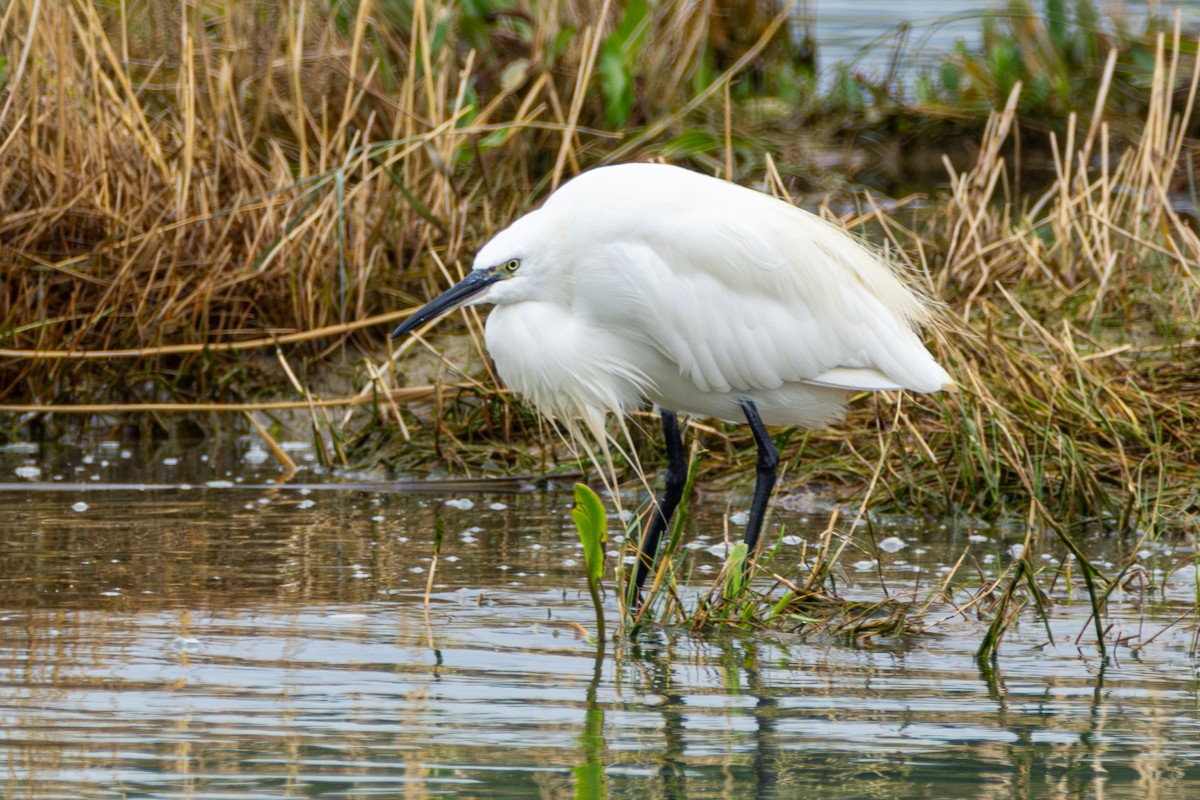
x=618, y=60
x=923, y=89
x=592, y=524
x=1056, y=23
x=782, y=605
x=439, y=34
x=735, y=571
x=951, y=77
x=690, y=143
x=616, y=83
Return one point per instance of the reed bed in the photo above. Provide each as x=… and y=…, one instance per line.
x=176, y=173
x=224, y=205
x=1073, y=328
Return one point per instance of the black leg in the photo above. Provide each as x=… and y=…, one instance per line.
x=765, y=474
x=672, y=493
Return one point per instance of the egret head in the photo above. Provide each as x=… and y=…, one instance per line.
x=505, y=271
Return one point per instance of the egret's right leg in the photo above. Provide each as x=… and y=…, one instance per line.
x=676, y=478
x=766, y=472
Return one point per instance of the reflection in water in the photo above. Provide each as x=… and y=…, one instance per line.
x=766, y=767
x=252, y=642
x=589, y=776
x=657, y=676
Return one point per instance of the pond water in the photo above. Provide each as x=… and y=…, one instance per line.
x=174, y=622
x=877, y=36
x=209, y=633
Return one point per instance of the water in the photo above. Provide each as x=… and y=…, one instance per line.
x=241, y=639
x=878, y=35
x=213, y=634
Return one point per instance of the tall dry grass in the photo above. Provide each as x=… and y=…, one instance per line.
x=225, y=194
x=185, y=175
x=1076, y=344
x=1072, y=325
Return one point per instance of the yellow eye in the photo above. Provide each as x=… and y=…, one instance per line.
x=511, y=265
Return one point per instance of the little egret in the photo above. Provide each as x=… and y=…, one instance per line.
x=642, y=284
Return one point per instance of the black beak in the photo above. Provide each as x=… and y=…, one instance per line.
x=448, y=300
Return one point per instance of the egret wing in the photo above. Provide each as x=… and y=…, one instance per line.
x=741, y=290
x=754, y=307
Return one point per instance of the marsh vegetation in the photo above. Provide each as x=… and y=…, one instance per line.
x=217, y=208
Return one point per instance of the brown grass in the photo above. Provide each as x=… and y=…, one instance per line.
x=1075, y=342
x=185, y=174
x=188, y=192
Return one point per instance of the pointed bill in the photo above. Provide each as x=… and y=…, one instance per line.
x=458, y=294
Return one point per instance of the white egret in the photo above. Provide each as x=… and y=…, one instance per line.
x=645, y=284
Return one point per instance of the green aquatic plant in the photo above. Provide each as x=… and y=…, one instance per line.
x=591, y=522
x=342, y=190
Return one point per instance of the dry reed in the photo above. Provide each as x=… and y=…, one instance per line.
x=182, y=185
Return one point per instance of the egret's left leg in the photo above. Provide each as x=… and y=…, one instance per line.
x=765, y=474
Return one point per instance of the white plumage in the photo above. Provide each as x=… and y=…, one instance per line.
x=646, y=283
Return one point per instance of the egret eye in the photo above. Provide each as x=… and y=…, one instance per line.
x=510, y=266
